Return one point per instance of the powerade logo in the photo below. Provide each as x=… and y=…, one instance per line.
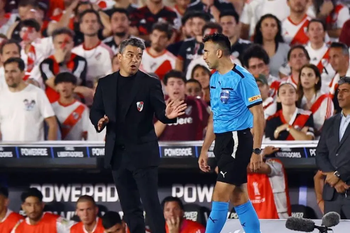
x=178, y=152
x=34, y=152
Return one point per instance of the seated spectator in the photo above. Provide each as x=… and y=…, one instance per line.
x=24, y=107
x=194, y=88
x=8, y=49
x=157, y=59
x=289, y=123
x=191, y=125
x=70, y=18
x=293, y=27
x=64, y=60
x=72, y=115
x=8, y=219
x=336, y=20
x=191, y=48
x=120, y=22
x=229, y=21
x=269, y=104
x=202, y=74
x=318, y=50
x=312, y=98
x=268, y=34
x=268, y=188
x=87, y=211
x=112, y=223
x=298, y=56
x=37, y=220
x=93, y=50
x=143, y=18
x=174, y=216
x=256, y=61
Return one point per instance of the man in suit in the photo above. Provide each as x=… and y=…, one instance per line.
x=333, y=155
x=125, y=102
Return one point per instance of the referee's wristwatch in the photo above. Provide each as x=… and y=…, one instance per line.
x=257, y=151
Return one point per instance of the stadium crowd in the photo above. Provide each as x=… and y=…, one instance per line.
x=53, y=52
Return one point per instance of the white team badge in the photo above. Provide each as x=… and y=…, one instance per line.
x=139, y=106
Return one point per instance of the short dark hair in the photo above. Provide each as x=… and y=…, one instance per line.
x=172, y=199
x=221, y=40
x=185, y=17
x=64, y=30
x=111, y=218
x=194, y=81
x=88, y=11
x=132, y=42
x=65, y=77
x=86, y=198
x=342, y=46
x=212, y=25
x=255, y=51
x=32, y=3
x=8, y=42
x=163, y=27
x=32, y=192
x=4, y=191
x=119, y=10
x=200, y=14
x=232, y=13
x=317, y=21
x=30, y=23
x=298, y=46
x=173, y=74
x=17, y=60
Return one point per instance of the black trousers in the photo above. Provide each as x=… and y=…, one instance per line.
x=340, y=204
x=132, y=185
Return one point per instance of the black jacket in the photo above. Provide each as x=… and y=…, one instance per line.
x=146, y=101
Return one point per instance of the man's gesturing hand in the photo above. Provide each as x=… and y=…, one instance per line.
x=104, y=120
x=175, y=108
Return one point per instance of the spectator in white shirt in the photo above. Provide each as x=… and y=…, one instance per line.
x=24, y=108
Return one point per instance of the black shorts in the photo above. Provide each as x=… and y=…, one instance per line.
x=233, y=151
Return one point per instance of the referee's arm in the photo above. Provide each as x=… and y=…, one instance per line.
x=258, y=124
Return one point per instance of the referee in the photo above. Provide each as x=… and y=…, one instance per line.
x=236, y=104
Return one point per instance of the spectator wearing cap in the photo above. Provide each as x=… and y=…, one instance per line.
x=8, y=219
x=269, y=104
x=289, y=123
x=112, y=223
x=64, y=60
x=332, y=155
x=174, y=216
x=310, y=96
x=24, y=107
x=72, y=115
x=37, y=220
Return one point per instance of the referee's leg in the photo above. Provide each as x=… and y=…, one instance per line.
x=233, y=151
x=147, y=184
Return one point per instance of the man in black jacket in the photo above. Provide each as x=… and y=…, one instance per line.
x=126, y=102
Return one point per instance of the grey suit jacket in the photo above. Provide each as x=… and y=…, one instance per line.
x=332, y=155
